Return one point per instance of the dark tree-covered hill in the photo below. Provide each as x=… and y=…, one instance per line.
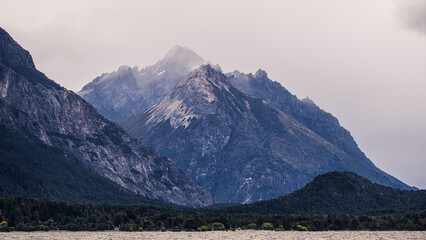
x=342, y=192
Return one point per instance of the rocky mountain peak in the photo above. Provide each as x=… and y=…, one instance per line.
x=128, y=91
x=205, y=83
x=196, y=95
x=11, y=54
x=261, y=74
x=206, y=74
x=183, y=54
x=308, y=101
x=124, y=68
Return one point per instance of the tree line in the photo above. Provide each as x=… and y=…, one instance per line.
x=24, y=214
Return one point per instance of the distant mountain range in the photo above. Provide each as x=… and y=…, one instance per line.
x=240, y=137
x=239, y=147
x=54, y=144
x=341, y=193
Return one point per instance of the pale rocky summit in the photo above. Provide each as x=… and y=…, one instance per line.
x=239, y=147
x=128, y=91
x=62, y=119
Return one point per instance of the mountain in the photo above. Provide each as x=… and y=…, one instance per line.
x=341, y=192
x=128, y=91
x=239, y=147
x=304, y=111
x=71, y=129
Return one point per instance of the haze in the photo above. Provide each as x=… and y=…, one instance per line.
x=363, y=61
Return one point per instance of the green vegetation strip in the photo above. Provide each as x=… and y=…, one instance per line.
x=22, y=214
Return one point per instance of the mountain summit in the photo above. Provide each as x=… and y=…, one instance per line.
x=11, y=54
x=239, y=147
x=60, y=121
x=182, y=57
x=192, y=98
x=128, y=91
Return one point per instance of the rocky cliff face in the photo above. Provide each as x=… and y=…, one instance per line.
x=128, y=91
x=62, y=119
x=238, y=147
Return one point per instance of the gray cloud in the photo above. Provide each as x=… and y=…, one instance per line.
x=412, y=14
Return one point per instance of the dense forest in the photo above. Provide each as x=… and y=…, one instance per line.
x=341, y=193
x=23, y=214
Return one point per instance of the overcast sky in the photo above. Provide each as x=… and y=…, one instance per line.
x=363, y=61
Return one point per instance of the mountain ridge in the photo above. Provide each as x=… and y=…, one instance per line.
x=304, y=111
x=128, y=91
x=238, y=147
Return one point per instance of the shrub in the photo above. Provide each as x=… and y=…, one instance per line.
x=204, y=228
x=252, y=226
x=218, y=226
x=279, y=228
x=3, y=226
x=267, y=226
x=127, y=227
x=301, y=228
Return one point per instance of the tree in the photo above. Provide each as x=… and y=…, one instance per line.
x=192, y=223
x=44, y=212
x=121, y=218
x=16, y=217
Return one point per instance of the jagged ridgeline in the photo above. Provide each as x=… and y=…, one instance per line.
x=240, y=147
x=54, y=144
x=128, y=91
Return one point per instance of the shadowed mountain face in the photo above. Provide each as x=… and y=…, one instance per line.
x=341, y=192
x=128, y=91
x=60, y=119
x=239, y=147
